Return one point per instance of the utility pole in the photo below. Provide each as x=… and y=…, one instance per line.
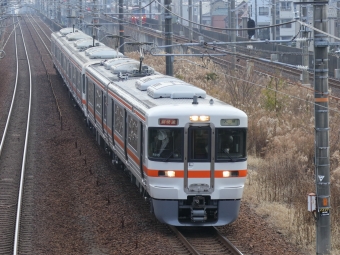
x=274, y=23
x=256, y=31
x=168, y=37
x=181, y=32
x=322, y=161
x=121, y=27
x=160, y=16
x=68, y=6
x=54, y=2
x=80, y=15
x=190, y=20
x=305, y=56
x=59, y=12
x=95, y=20
x=140, y=14
x=229, y=19
x=338, y=26
x=200, y=16
x=233, y=32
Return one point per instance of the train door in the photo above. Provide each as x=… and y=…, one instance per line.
x=113, y=121
x=141, y=148
x=125, y=134
x=104, y=112
x=86, y=94
x=83, y=94
x=199, y=148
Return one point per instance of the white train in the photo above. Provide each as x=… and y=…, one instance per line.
x=185, y=150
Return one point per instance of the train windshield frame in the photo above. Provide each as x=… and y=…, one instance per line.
x=230, y=144
x=165, y=144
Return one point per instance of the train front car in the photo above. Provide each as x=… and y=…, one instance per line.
x=197, y=162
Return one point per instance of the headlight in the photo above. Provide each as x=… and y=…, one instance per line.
x=227, y=174
x=167, y=173
x=199, y=118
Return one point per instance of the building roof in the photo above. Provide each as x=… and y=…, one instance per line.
x=220, y=11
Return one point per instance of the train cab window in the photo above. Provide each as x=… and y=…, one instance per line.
x=230, y=144
x=165, y=144
x=199, y=144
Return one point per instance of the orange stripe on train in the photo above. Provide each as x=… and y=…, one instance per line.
x=195, y=174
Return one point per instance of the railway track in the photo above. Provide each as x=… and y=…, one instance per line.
x=207, y=240
x=13, y=150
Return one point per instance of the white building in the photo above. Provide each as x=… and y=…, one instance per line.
x=262, y=12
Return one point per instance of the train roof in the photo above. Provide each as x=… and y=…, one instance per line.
x=91, y=55
x=153, y=91
x=83, y=44
x=67, y=30
x=159, y=90
x=77, y=36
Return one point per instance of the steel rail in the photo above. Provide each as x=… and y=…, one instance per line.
x=49, y=52
x=21, y=188
x=215, y=233
x=42, y=30
x=227, y=243
x=14, y=93
x=184, y=240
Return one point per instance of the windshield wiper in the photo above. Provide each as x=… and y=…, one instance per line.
x=165, y=160
x=232, y=159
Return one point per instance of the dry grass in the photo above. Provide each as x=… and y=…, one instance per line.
x=280, y=144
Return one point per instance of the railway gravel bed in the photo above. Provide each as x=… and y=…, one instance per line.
x=82, y=205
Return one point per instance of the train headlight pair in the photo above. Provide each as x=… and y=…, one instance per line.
x=199, y=118
x=167, y=173
x=227, y=174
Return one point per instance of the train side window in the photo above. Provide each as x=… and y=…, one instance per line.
x=79, y=81
x=74, y=74
x=165, y=144
x=199, y=144
x=90, y=93
x=112, y=109
x=132, y=132
x=77, y=78
x=98, y=102
x=119, y=119
x=69, y=69
x=104, y=108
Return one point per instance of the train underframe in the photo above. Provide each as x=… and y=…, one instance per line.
x=196, y=211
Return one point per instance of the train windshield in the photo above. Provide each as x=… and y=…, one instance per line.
x=165, y=144
x=230, y=144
